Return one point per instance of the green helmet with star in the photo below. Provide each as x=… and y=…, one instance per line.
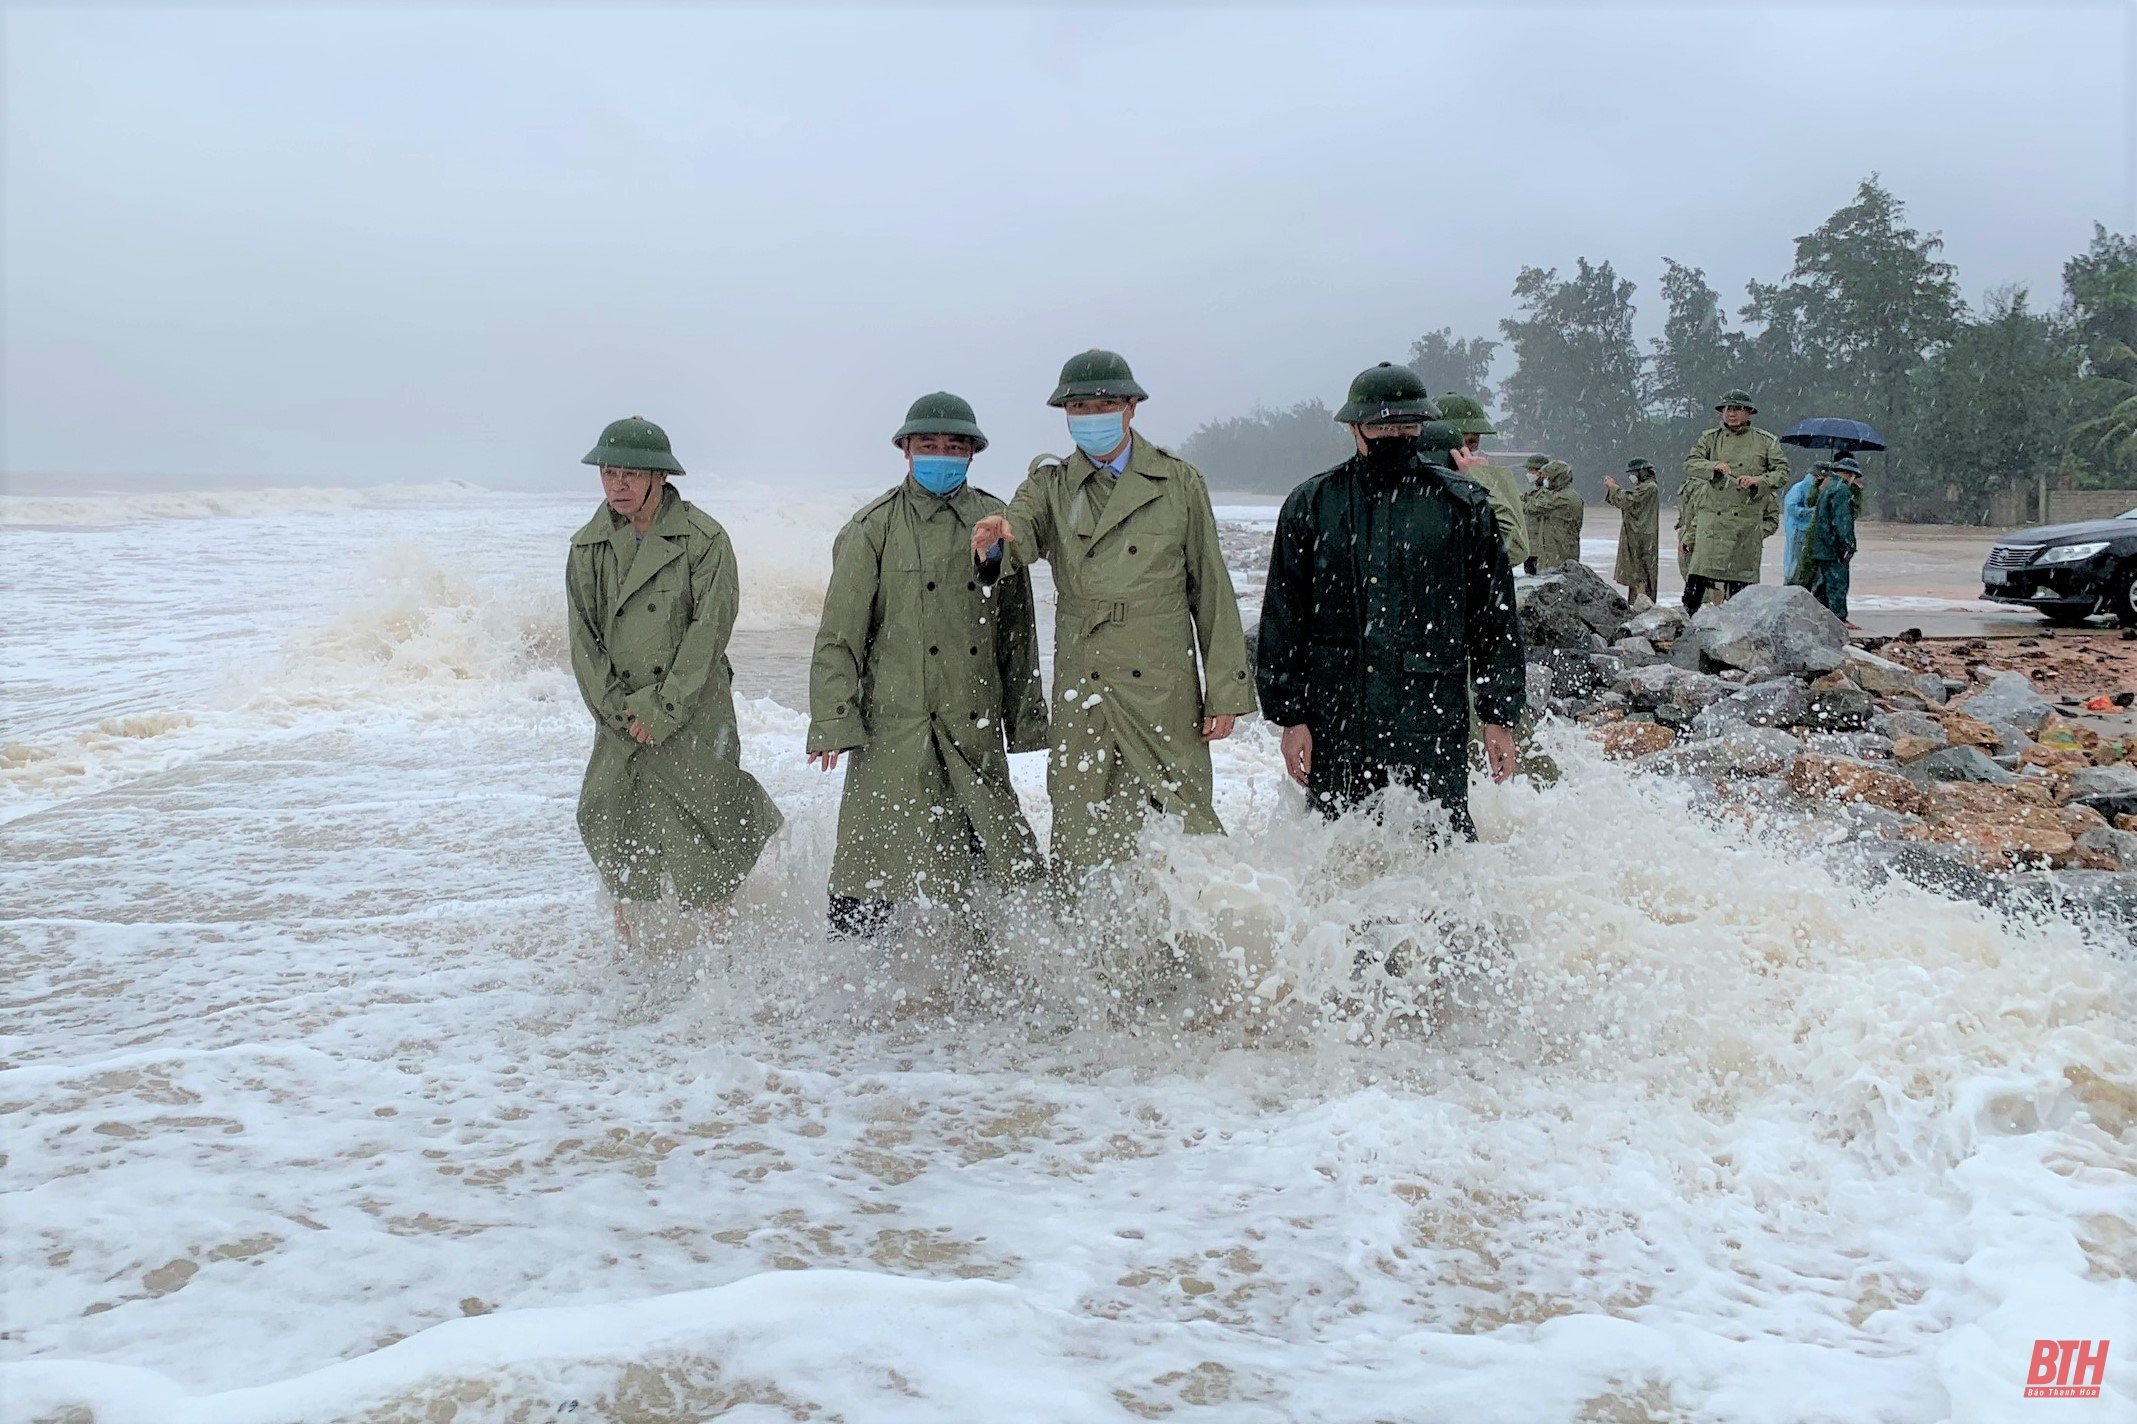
x=633, y=443
x=1386, y=392
x=1094, y=375
x=941, y=414
x=1466, y=413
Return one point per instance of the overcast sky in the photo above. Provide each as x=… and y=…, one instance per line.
x=290, y=245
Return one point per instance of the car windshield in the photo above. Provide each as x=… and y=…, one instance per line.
x=2127, y=514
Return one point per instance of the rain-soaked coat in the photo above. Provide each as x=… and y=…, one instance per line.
x=929, y=681
x=649, y=630
x=1639, y=554
x=1797, y=507
x=1504, y=489
x=1554, y=514
x=1389, y=603
x=1141, y=587
x=1732, y=524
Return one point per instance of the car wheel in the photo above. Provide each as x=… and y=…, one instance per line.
x=2065, y=617
x=2126, y=601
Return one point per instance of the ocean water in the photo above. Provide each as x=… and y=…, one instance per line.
x=329, y=1102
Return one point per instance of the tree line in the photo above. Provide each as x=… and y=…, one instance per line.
x=1868, y=323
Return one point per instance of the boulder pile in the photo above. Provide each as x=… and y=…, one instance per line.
x=1765, y=698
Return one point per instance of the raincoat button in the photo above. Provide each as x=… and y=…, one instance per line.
x=656, y=672
x=1131, y=548
x=972, y=587
x=652, y=608
x=1136, y=673
x=841, y=709
x=931, y=585
x=975, y=652
x=933, y=651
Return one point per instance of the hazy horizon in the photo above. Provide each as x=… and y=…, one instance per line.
x=255, y=247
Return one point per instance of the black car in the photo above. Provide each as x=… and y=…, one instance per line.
x=2068, y=571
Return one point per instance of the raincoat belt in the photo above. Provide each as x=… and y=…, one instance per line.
x=1091, y=614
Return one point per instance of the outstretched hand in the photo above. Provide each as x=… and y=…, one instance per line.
x=992, y=530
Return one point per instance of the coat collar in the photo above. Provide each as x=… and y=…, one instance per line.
x=662, y=546
x=929, y=505
x=1140, y=482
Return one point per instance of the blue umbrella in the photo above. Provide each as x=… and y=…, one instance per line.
x=1825, y=432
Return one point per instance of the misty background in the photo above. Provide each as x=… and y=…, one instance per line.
x=344, y=247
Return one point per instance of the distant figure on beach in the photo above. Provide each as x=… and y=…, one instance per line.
x=1639, y=512
x=1554, y=513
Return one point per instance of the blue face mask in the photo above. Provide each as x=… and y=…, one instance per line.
x=940, y=474
x=1098, y=435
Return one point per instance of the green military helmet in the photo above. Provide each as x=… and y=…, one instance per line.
x=1466, y=413
x=1093, y=374
x=1554, y=468
x=1736, y=395
x=1638, y=463
x=1386, y=392
x=634, y=443
x=1846, y=465
x=941, y=414
x=1438, y=437
x=1535, y=462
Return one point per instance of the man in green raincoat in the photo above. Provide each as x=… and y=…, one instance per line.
x=1390, y=605
x=1467, y=416
x=1554, y=513
x=1739, y=471
x=1639, y=548
x=928, y=680
x=1141, y=590
x=653, y=596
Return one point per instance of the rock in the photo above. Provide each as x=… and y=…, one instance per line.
x=1659, y=624
x=1965, y=764
x=1769, y=628
x=2109, y=790
x=1817, y=777
x=2105, y=896
x=1662, y=687
x=1911, y=724
x=1538, y=688
x=1862, y=746
x=1875, y=674
x=1740, y=751
x=2010, y=698
x=1953, y=686
x=2105, y=849
x=1623, y=741
x=1964, y=731
x=1943, y=869
x=1636, y=652
x=1908, y=747
x=1930, y=688
x=1776, y=702
x=1835, y=709
x=1564, y=608
x=1999, y=845
x=1574, y=673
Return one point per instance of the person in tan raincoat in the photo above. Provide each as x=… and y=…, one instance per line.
x=1639, y=549
x=1150, y=661
x=652, y=594
x=1554, y=514
x=1739, y=471
x=929, y=680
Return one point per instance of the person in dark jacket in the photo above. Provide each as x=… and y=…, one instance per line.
x=1389, y=602
x=1833, y=536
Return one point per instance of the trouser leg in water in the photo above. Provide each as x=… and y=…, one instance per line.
x=1339, y=783
x=1830, y=583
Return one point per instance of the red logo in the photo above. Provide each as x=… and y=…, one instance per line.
x=2066, y=1369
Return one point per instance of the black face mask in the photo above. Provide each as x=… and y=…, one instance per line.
x=1390, y=454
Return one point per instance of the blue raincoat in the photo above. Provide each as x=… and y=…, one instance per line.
x=1797, y=507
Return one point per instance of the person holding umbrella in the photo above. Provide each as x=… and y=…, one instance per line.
x=1638, y=540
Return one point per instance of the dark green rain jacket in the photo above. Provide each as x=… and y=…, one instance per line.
x=929, y=680
x=649, y=630
x=1389, y=600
